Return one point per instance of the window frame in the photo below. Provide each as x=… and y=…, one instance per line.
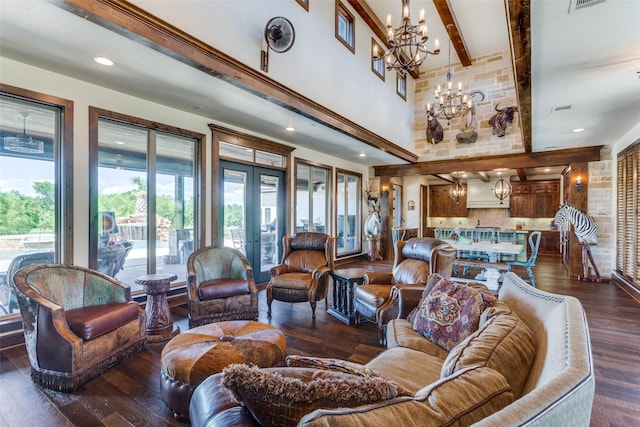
x=328, y=208
x=401, y=85
x=382, y=72
x=304, y=4
x=97, y=114
x=350, y=41
x=63, y=158
x=358, y=220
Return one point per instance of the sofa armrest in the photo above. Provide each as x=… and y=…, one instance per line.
x=409, y=297
x=278, y=270
x=375, y=278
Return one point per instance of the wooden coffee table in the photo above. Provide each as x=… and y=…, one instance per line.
x=343, y=282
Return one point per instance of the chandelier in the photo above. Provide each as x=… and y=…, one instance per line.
x=501, y=189
x=457, y=191
x=407, y=49
x=23, y=143
x=449, y=102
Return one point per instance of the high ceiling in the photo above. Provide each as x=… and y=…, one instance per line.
x=587, y=59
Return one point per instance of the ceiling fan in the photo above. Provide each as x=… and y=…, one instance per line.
x=279, y=35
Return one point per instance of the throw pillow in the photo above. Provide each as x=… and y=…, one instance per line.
x=433, y=280
x=282, y=396
x=339, y=365
x=451, y=312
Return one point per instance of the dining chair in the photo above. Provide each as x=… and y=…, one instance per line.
x=534, y=244
x=507, y=236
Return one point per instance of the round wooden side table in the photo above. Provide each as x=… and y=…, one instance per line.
x=159, y=325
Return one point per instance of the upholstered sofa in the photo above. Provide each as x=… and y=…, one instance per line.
x=528, y=363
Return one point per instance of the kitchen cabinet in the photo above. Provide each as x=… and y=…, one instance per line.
x=442, y=205
x=549, y=242
x=534, y=199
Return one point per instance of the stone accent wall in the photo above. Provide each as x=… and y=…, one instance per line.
x=601, y=191
x=492, y=74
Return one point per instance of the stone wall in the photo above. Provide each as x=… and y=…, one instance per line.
x=601, y=208
x=493, y=75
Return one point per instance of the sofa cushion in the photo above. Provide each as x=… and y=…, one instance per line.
x=400, y=333
x=503, y=342
x=95, y=320
x=451, y=312
x=433, y=280
x=282, y=396
x=411, y=369
x=463, y=399
x=299, y=280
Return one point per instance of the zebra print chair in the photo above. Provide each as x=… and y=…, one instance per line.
x=534, y=244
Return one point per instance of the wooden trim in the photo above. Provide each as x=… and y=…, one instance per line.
x=138, y=25
x=448, y=18
x=625, y=285
x=508, y=161
x=519, y=18
x=304, y=4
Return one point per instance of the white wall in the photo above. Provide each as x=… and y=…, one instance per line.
x=84, y=95
x=318, y=65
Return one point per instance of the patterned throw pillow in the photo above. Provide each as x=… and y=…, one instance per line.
x=451, y=312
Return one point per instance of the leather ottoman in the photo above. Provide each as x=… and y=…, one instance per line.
x=191, y=357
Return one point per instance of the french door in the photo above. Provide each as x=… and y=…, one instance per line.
x=253, y=214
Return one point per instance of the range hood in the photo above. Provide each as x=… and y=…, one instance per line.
x=480, y=195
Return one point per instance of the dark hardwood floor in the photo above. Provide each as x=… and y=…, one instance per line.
x=129, y=393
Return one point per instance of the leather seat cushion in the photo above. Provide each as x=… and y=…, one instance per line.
x=95, y=320
x=292, y=281
x=223, y=288
x=372, y=295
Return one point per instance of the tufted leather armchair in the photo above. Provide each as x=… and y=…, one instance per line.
x=77, y=323
x=304, y=272
x=220, y=286
x=415, y=259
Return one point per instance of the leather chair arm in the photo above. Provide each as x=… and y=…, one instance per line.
x=445, y=256
x=375, y=278
x=409, y=297
x=320, y=272
x=279, y=269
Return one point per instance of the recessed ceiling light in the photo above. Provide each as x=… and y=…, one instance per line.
x=120, y=142
x=578, y=130
x=103, y=61
x=547, y=169
x=362, y=155
x=290, y=129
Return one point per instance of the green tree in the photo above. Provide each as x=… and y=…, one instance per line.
x=19, y=214
x=46, y=204
x=233, y=215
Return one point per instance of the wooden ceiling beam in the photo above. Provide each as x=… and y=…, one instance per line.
x=445, y=178
x=507, y=161
x=372, y=21
x=522, y=174
x=483, y=176
x=448, y=18
x=519, y=18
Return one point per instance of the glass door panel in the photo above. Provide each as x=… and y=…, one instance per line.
x=253, y=202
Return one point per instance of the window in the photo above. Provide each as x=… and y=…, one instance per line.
x=345, y=27
x=312, y=197
x=348, y=213
x=144, y=183
x=36, y=178
x=397, y=206
x=401, y=85
x=377, y=60
x=304, y=3
x=628, y=216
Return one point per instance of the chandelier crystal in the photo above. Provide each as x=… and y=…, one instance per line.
x=407, y=43
x=449, y=102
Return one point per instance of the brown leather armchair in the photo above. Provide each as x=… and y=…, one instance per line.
x=220, y=286
x=415, y=259
x=303, y=275
x=77, y=323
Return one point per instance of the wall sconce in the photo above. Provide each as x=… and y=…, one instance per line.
x=384, y=192
x=411, y=205
x=578, y=184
